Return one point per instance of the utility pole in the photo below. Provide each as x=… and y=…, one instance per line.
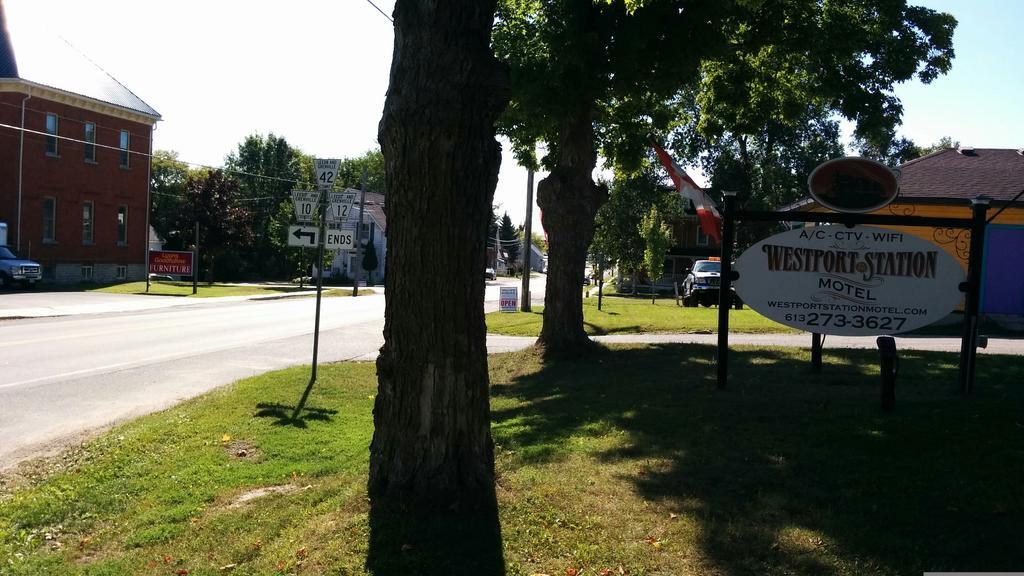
x=524, y=303
x=497, y=246
x=359, y=235
x=195, y=261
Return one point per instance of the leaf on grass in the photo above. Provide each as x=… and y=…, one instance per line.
x=572, y=571
x=654, y=542
x=181, y=571
x=225, y=438
x=300, y=553
x=672, y=515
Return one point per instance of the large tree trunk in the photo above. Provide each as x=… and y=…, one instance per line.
x=431, y=437
x=569, y=200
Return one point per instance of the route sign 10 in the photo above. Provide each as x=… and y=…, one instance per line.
x=305, y=204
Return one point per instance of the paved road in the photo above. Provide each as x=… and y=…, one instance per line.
x=91, y=359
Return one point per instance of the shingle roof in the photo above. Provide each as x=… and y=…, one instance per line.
x=41, y=58
x=949, y=174
x=374, y=206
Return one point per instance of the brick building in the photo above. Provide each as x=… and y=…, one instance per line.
x=74, y=161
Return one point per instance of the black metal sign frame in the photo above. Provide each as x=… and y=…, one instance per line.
x=971, y=288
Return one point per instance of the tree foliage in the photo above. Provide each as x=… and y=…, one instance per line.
x=350, y=172
x=509, y=238
x=168, y=177
x=657, y=240
x=619, y=222
x=268, y=169
x=602, y=76
x=370, y=262
x=901, y=150
x=225, y=226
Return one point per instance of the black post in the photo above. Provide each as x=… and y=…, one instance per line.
x=725, y=287
x=815, y=352
x=359, y=236
x=195, y=262
x=969, y=343
x=887, y=351
x=524, y=304
x=600, y=279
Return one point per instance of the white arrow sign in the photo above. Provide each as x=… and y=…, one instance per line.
x=340, y=206
x=341, y=239
x=305, y=204
x=303, y=236
x=326, y=172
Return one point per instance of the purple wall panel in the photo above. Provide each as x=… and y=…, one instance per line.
x=1002, y=290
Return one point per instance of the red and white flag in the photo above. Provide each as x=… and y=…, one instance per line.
x=710, y=219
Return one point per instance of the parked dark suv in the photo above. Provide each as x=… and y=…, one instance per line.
x=701, y=285
x=14, y=269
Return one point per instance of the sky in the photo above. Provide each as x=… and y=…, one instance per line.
x=316, y=73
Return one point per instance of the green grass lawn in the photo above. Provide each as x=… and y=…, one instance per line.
x=627, y=459
x=620, y=315
x=210, y=291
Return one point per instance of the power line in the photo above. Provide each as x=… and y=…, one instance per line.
x=382, y=13
x=144, y=154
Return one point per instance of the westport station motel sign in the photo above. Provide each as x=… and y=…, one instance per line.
x=845, y=276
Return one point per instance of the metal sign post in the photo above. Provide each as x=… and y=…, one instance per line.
x=724, y=287
x=326, y=172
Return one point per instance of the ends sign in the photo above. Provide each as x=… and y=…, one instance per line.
x=856, y=281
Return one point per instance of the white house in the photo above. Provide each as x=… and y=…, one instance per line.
x=374, y=231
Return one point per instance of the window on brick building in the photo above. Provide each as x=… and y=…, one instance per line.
x=87, y=220
x=51, y=134
x=49, y=219
x=125, y=160
x=122, y=224
x=90, y=142
x=122, y=273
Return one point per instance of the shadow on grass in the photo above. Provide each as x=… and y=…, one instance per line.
x=450, y=542
x=786, y=472
x=282, y=414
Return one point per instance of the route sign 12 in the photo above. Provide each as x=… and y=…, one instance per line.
x=326, y=172
x=340, y=206
x=303, y=236
x=340, y=239
x=305, y=204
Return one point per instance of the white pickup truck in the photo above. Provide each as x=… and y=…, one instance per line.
x=14, y=269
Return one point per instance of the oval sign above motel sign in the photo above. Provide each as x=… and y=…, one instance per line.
x=853, y=184
x=856, y=281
